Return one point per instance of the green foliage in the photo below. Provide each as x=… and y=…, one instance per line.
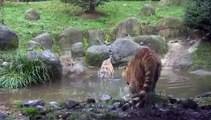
x=30, y=111
x=198, y=14
x=22, y=72
x=201, y=57
x=87, y=5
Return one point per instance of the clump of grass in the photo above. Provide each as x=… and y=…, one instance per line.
x=23, y=72
x=30, y=111
x=202, y=56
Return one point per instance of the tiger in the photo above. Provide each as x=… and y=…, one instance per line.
x=141, y=74
x=106, y=70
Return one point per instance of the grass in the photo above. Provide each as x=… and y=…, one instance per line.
x=56, y=16
x=202, y=56
x=23, y=72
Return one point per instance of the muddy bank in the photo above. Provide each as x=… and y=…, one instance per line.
x=106, y=108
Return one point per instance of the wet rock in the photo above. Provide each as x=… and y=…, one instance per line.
x=96, y=54
x=189, y=103
x=33, y=103
x=41, y=109
x=172, y=100
x=45, y=41
x=32, y=14
x=8, y=38
x=70, y=104
x=125, y=106
x=77, y=49
x=3, y=116
x=109, y=107
x=184, y=62
x=117, y=104
x=40, y=117
x=148, y=10
x=105, y=97
x=54, y=104
x=90, y=100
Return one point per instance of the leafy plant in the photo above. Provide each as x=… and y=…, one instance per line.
x=22, y=72
x=198, y=14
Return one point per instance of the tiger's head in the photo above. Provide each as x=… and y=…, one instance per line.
x=133, y=75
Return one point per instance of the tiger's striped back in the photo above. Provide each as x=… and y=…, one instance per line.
x=143, y=72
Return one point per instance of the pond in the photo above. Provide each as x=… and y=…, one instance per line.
x=178, y=84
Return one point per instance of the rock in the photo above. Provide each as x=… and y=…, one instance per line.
x=41, y=109
x=67, y=37
x=45, y=41
x=130, y=26
x=77, y=70
x=77, y=49
x=171, y=2
x=105, y=97
x=33, y=103
x=189, y=103
x=171, y=27
x=32, y=14
x=116, y=104
x=96, y=37
x=109, y=107
x=55, y=104
x=96, y=54
x=90, y=100
x=153, y=41
x=8, y=39
x=150, y=29
x=70, y=104
x=184, y=62
x=3, y=116
x=122, y=49
x=201, y=72
x=50, y=59
x=148, y=10
x=32, y=45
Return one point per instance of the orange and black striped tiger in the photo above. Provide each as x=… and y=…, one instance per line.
x=142, y=73
x=106, y=69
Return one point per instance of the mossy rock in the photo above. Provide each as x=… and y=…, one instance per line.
x=96, y=54
x=153, y=41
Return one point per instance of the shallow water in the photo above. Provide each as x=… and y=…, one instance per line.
x=179, y=84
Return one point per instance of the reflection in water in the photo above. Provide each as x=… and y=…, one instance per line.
x=179, y=84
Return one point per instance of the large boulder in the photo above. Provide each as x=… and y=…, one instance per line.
x=150, y=29
x=67, y=37
x=96, y=54
x=171, y=27
x=50, y=59
x=148, y=10
x=44, y=40
x=130, y=26
x=32, y=14
x=153, y=41
x=122, y=49
x=8, y=38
